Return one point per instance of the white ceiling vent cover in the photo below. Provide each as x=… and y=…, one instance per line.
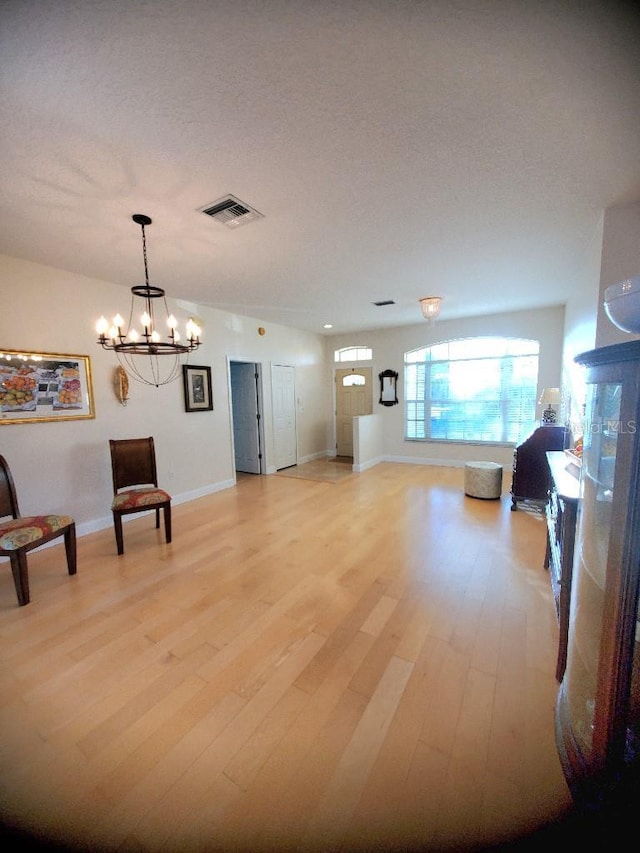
x=231, y=212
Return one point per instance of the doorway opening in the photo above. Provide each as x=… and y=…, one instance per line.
x=245, y=380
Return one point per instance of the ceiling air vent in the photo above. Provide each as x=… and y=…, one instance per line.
x=385, y=302
x=231, y=212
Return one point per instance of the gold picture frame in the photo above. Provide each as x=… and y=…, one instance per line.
x=44, y=386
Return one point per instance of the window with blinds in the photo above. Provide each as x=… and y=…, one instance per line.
x=472, y=389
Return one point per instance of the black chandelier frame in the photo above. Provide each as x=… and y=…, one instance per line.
x=149, y=345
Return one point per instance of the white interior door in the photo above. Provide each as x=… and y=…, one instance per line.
x=245, y=402
x=353, y=397
x=285, y=439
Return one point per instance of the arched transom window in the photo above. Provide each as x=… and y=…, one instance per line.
x=353, y=379
x=353, y=354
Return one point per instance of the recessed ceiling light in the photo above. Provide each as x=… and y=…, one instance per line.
x=328, y=326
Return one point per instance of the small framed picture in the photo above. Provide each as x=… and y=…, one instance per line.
x=197, y=388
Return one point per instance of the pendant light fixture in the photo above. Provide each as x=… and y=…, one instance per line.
x=143, y=353
x=430, y=307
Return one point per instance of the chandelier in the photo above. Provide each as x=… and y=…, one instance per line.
x=143, y=354
x=430, y=307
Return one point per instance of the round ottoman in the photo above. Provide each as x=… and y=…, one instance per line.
x=483, y=480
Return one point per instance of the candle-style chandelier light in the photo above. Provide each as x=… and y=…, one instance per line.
x=144, y=355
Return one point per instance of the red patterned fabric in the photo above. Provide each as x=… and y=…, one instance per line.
x=139, y=498
x=23, y=531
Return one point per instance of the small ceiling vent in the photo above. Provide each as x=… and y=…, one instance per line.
x=231, y=212
x=385, y=302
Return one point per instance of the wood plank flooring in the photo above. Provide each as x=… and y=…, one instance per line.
x=360, y=665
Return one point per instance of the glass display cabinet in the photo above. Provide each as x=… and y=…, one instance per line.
x=598, y=707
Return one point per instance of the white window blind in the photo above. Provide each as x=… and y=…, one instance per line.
x=472, y=389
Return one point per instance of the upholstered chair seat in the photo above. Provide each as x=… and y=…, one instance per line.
x=19, y=535
x=139, y=499
x=135, y=484
x=19, y=532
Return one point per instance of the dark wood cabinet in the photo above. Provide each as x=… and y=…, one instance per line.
x=561, y=516
x=598, y=707
x=531, y=478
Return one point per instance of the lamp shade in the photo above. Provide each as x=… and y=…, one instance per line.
x=550, y=397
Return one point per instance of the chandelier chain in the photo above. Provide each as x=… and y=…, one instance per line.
x=144, y=255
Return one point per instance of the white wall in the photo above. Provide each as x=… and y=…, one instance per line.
x=66, y=467
x=367, y=441
x=581, y=314
x=611, y=254
x=620, y=260
x=389, y=346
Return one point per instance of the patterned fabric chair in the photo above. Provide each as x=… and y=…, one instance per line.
x=135, y=484
x=20, y=535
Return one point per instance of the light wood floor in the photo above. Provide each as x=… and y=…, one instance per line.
x=365, y=665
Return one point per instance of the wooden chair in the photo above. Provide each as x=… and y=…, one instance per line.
x=20, y=535
x=135, y=484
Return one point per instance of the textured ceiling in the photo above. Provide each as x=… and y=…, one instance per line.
x=396, y=149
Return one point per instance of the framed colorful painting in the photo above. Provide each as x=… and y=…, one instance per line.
x=44, y=386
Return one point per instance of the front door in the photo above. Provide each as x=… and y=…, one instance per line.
x=353, y=397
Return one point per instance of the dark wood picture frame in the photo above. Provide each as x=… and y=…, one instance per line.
x=196, y=380
x=388, y=388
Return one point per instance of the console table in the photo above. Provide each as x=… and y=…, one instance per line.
x=561, y=511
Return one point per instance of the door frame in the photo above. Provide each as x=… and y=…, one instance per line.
x=353, y=368
x=259, y=408
x=277, y=364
